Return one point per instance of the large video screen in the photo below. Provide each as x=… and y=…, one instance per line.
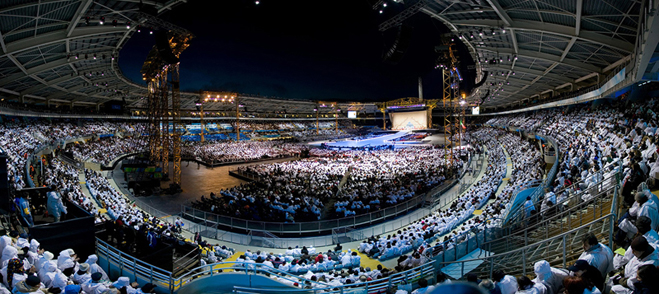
x=476, y=110
x=352, y=114
x=413, y=120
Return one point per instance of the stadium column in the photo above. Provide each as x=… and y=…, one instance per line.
x=237, y=120
x=336, y=120
x=201, y=120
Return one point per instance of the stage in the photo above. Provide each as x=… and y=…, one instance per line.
x=435, y=139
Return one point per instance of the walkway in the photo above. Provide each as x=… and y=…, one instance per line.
x=504, y=183
x=85, y=191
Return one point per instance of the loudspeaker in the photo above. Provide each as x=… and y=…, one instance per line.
x=402, y=42
x=4, y=184
x=162, y=44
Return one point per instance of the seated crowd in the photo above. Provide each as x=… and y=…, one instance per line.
x=299, y=190
x=598, y=137
x=211, y=152
x=28, y=268
x=105, y=150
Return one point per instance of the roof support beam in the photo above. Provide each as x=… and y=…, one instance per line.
x=61, y=80
x=18, y=64
x=36, y=70
x=544, y=56
x=531, y=71
x=84, y=5
x=168, y=5
x=560, y=30
x=577, y=26
x=2, y=43
x=59, y=36
x=499, y=10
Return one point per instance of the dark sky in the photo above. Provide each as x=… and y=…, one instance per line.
x=321, y=50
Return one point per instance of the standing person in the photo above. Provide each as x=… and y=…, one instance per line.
x=55, y=205
x=24, y=205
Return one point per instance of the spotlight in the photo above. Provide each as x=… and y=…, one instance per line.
x=94, y=55
x=77, y=55
x=472, y=35
x=151, y=31
x=513, y=73
x=384, y=4
x=112, y=56
x=381, y=11
x=493, y=32
x=128, y=25
x=257, y=2
x=503, y=30
x=139, y=29
x=515, y=57
x=102, y=20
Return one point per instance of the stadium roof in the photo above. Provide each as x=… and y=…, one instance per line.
x=67, y=50
x=58, y=50
x=556, y=43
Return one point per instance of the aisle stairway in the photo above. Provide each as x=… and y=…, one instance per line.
x=522, y=233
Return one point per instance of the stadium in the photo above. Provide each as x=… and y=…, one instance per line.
x=381, y=146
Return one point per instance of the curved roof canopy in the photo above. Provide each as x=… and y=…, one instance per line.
x=66, y=51
x=537, y=46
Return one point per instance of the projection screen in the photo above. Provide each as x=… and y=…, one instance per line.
x=413, y=120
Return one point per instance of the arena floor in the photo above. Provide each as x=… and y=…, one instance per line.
x=196, y=180
x=199, y=180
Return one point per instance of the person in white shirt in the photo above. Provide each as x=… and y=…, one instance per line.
x=551, y=277
x=507, y=283
x=597, y=254
x=644, y=254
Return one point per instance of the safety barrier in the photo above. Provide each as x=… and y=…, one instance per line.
x=121, y=264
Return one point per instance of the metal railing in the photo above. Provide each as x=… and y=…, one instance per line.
x=545, y=226
x=607, y=181
x=560, y=250
x=540, y=186
x=129, y=265
x=215, y=220
x=144, y=272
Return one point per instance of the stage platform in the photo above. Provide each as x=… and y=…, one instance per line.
x=435, y=139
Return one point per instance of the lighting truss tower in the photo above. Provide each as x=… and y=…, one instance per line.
x=154, y=119
x=164, y=138
x=447, y=104
x=176, y=122
x=158, y=67
x=450, y=81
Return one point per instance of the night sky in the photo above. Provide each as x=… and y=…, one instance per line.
x=320, y=50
